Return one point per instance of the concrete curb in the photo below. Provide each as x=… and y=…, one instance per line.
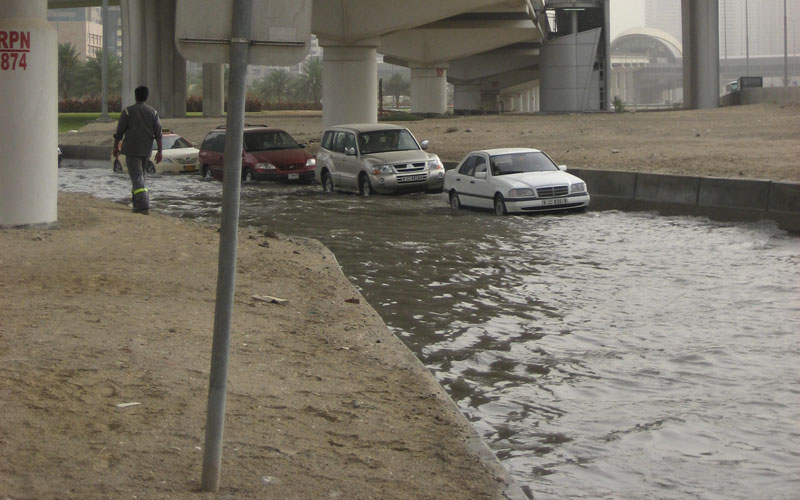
x=715, y=198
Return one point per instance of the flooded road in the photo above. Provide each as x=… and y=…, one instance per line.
x=601, y=355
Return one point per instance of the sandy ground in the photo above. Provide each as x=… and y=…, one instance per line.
x=754, y=142
x=113, y=307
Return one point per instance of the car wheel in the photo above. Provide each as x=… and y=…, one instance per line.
x=455, y=202
x=150, y=169
x=327, y=182
x=364, y=187
x=117, y=166
x=499, y=205
x=205, y=172
x=247, y=175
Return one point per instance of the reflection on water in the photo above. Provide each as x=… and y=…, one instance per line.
x=602, y=354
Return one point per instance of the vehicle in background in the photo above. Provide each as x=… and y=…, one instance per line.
x=178, y=156
x=513, y=180
x=376, y=158
x=268, y=154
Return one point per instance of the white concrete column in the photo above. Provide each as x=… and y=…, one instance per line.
x=429, y=90
x=536, y=106
x=350, y=83
x=213, y=89
x=467, y=98
x=132, y=18
x=700, y=53
x=28, y=114
x=149, y=56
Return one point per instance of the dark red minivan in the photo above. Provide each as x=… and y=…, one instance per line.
x=269, y=154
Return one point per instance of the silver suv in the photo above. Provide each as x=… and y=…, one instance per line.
x=376, y=158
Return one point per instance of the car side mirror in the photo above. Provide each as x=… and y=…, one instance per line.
x=302, y=145
x=563, y=168
x=480, y=175
x=350, y=151
x=424, y=144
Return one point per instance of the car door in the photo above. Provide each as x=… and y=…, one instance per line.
x=464, y=182
x=349, y=160
x=337, y=157
x=481, y=183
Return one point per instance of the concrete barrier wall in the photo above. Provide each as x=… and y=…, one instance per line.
x=86, y=152
x=716, y=198
x=757, y=95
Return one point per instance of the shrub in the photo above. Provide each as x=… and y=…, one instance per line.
x=619, y=106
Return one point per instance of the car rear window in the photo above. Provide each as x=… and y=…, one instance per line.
x=516, y=163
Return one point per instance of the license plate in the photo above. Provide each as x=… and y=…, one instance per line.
x=189, y=168
x=555, y=201
x=412, y=178
x=294, y=176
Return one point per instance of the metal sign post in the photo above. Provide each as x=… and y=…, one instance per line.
x=270, y=32
x=226, y=276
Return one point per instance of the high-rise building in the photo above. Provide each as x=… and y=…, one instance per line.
x=756, y=26
x=83, y=28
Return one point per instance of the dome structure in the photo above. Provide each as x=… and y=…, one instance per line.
x=656, y=45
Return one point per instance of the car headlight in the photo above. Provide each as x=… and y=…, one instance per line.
x=311, y=162
x=166, y=160
x=265, y=166
x=578, y=187
x=435, y=164
x=521, y=193
x=382, y=169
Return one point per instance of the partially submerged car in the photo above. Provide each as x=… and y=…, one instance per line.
x=177, y=156
x=513, y=180
x=376, y=158
x=268, y=154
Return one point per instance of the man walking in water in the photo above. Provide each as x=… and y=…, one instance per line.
x=139, y=126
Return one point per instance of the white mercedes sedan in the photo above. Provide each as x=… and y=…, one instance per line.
x=513, y=180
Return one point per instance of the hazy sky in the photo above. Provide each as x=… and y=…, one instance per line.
x=626, y=14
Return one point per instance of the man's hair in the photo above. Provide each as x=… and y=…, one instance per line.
x=141, y=93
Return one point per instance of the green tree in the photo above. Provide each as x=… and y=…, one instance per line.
x=68, y=68
x=308, y=86
x=275, y=86
x=90, y=78
x=397, y=86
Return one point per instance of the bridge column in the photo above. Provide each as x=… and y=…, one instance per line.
x=700, y=53
x=149, y=56
x=213, y=89
x=467, y=98
x=29, y=94
x=350, y=83
x=429, y=90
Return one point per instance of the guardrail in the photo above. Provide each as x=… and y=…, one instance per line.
x=715, y=198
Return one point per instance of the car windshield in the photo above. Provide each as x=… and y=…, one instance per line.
x=172, y=142
x=517, y=163
x=268, y=141
x=380, y=141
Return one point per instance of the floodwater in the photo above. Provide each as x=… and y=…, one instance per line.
x=600, y=355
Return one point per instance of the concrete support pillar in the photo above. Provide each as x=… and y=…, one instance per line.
x=149, y=56
x=467, y=99
x=213, y=89
x=29, y=104
x=489, y=101
x=429, y=90
x=506, y=103
x=700, y=53
x=350, y=83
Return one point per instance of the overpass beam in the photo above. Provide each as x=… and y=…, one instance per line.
x=350, y=83
x=429, y=89
x=213, y=89
x=700, y=53
x=29, y=100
